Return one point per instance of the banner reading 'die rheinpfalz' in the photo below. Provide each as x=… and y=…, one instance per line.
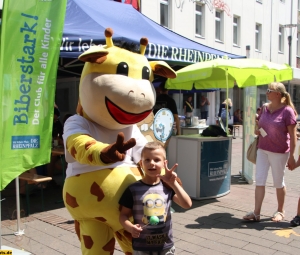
x=31, y=33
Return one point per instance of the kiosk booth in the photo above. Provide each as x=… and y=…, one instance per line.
x=204, y=164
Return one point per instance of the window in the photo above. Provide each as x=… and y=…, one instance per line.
x=258, y=37
x=280, y=38
x=236, y=30
x=199, y=13
x=164, y=13
x=219, y=25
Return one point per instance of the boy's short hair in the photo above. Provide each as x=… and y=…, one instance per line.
x=153, y=146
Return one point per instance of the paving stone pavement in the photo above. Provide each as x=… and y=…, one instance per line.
x=212, y=226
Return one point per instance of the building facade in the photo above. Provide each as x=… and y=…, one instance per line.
x=262, y=29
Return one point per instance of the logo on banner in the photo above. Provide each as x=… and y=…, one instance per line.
x=217, y=169
x=25, y=142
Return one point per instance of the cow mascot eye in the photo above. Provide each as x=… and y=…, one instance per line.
x=145, y=73
x=122, y=68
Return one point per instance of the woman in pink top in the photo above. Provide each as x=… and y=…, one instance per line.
x=277, y=141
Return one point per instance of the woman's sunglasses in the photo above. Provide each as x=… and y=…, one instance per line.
x=270, y=90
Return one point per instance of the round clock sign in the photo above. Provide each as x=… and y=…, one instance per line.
x=163, y=124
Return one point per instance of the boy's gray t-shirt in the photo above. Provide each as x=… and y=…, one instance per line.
x=146, y=201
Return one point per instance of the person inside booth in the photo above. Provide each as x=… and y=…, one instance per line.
x=163, y=100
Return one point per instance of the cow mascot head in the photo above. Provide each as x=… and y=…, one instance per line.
x=103, y=143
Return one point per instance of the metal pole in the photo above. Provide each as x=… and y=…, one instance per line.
x=290, y=60
x=271, y=23
x=290, y=48
x=290, y=51
x=19, y=231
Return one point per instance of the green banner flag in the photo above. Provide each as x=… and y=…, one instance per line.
x=31, y=33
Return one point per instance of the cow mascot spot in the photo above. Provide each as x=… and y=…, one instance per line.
x=103, y=143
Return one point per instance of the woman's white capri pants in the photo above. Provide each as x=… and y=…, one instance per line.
x=277, y=162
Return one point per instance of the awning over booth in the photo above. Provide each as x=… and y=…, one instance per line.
x=86, y=21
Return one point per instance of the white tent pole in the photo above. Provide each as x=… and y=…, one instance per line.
x=211, y=120
x=226, y=74
x=180, y=100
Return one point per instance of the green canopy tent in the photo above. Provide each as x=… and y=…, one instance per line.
x=225, y=73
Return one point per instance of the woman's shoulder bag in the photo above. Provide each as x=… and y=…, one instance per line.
x=252, y=151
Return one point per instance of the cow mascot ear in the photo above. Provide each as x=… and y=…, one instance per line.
x=161, y=68
x=103, y=143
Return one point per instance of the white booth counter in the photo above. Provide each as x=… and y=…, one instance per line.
x=192, y=130
x=204, y=164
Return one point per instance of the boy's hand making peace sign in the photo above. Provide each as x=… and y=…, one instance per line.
x=170, y=176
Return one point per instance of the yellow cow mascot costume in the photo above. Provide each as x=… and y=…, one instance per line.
x=103, y=143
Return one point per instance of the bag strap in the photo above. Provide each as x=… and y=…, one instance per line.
x=189, y=105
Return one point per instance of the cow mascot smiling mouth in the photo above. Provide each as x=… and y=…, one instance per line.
x=103, y=143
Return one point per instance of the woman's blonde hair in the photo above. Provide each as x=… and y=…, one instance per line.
x=285, y=96
x=228, y=101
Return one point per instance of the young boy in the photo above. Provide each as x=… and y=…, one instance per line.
x=296, y=221
x=149, y=202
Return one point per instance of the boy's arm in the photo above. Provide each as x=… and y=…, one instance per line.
x=134, y=230
x=181, y=197
x=124, y=218
x=298, y=162
x=293, y=141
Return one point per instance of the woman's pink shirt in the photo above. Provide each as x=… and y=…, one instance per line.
x=275, y=124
